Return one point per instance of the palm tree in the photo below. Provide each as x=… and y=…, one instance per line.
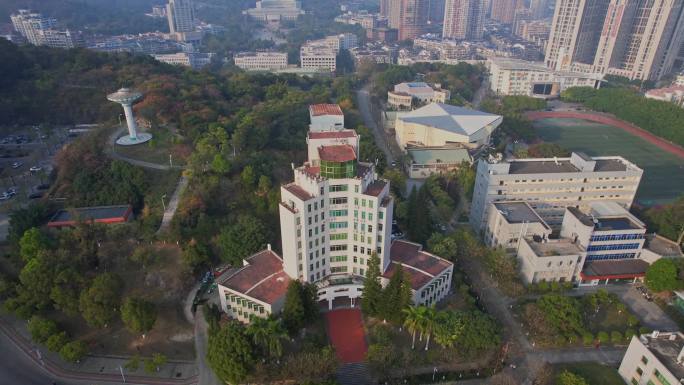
x=413, y=322
x=429, y=323
x=277, y=334
x=259, y=330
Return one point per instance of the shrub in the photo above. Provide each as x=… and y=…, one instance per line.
x=56, y=342
x=133, y=364
x=616, y=337
x=41, y=328
x=603, y=337
x=73, y=351
x=632, y=321
x=543, y=286
x=555, y=286
x=629, y=333
x=644, y=330
x=587, y=338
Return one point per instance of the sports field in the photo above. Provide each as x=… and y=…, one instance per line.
x=663, y=179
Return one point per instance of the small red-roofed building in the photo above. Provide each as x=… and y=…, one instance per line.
x=316, y=140
x=257, y=289
x=326, y=117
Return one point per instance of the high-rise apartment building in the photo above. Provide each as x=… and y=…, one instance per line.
x=181, y=16
x=463, y=19
x=409, y=17
x=40, y=30
x=504, y=10
x=436, y=11
x=539, y=8
x=551, y=185
x=639, y=39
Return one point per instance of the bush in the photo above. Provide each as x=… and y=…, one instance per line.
x=632, y=320
x=587, y=338
x=543, y=286
x=629, y=333
x=56, y=342
x=644, y=330
x=616, y=337
x=133, y=364
x=603, y=337
x=73, y=351
x=41, y=328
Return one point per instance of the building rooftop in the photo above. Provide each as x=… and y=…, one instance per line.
x=420, y=265
x=439, y=155
x=518, y=212
x=337, y=153
x=607, y=218
x=614, y=269
x=375, y=188
x=297, y=191
x=562, y=165
x=98, y=214
x=667, y=347
x=325, y=109
x=332, y=134
x=663, y=246
x=450, y=118
x=553, y=247
x=262, y=277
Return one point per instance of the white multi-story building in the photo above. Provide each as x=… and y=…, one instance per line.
x=520, y=77
x=40, y=30
x=406, y=96
x=673, y=94
x=275, y=10
x=334, y=216
x=261, y=60
x=550, y=185
x=319, y=55
x=194, y=60
x=326, y=117
x=464, y=19
x=654, y=358
x=182, y=23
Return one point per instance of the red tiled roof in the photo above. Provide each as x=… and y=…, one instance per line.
x=313, y=171
x=325, y=109
x=615, y=269
x=262, y=278
x=411, y=254
x=298, y=191
x=338, y=153
x=97, y=214
x=332, y=134
x=418, y=278
x=375, y=188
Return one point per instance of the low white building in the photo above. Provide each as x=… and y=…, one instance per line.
x=426, y=161
x=326, y=117
x=194, y=60
x=509, y=221
x=261, y=60
x=275, y=10
x=406, y=96
x=673, y=94
x=319, y=55
x=654, y=358
x=519, y=77
x=438, y=125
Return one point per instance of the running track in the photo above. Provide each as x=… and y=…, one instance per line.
x=609, y=120
x=345, y=329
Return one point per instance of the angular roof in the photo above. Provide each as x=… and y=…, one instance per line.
x=325, y=109
x=337, y=153
x=459, y=120
x=616, y=269
x=298, y=191
x=420, y=265
x=262, y=278
x=375, y=188
x=332, y=134
x=439, y=155
x=98, y=214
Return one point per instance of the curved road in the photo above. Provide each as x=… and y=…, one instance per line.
x=364, y=104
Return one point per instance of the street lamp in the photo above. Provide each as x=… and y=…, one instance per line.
x=163, y=204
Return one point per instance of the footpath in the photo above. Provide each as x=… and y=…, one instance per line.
x=95, y=368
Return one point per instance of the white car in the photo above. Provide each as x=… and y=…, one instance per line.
x=16, y=164
x=35, y=168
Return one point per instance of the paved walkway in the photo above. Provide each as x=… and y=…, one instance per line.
x=111, y=150
x=345, y=328
x=172, y=206
x=206, y=375
x=364, y=103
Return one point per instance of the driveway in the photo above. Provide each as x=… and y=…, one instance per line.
x=345, y=328
x=364, y=102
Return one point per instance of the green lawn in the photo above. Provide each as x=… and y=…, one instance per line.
x=594, y=373
x=663, y=178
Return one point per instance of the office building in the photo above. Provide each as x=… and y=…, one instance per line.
x=463, y=20
x=275, y=10
x=539, y=8
x=182, y=22
x=409, y=17
x=504, y=10
x=654, y=358
x=319, y=55
x=631, y=38
x=426, y=161
x=40, y=30
x=334, y=216
x=407, y=96
x=439, y=125
x=261, y=60
x=193, y=60
x=551, y=185
x=521, y=77
x=436, y=11
x=325, y=117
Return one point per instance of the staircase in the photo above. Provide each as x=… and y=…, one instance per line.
x=354, y=374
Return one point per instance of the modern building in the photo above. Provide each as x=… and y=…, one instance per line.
x=631, y=38
x=407, y=96
x=40, y=30
x=503, y=11
x=334, y=216
x=318, y=55
x=275, y=10
x=426, y=161
x=654, y=358
x=463, y=20
x=182, y=22
x=520, y=77
x=550, y=185
x=261, y=60
x=95, y=214
x=193, y=60
x=372, y=53
x=409, y=17
x=439, y=125
x=326, y=117
x=673, y=94
x=539, y=8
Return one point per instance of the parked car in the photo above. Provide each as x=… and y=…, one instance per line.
x=16, y=164
x=35, y=168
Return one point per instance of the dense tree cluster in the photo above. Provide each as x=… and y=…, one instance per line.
x=388, y=303
x=661, y=118
x=665, y=274
x=512, y=108
x=667, y=220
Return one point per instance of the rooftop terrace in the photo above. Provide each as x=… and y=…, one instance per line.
x=518, y=212
x=554, y=248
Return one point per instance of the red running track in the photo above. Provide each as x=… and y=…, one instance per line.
x=345, y=328
x=609, y=120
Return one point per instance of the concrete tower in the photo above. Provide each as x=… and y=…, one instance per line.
x=126, y=97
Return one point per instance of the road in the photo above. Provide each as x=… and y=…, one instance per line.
x=364, y=103
x=206, y=375
x=480, y=93
x=173, y=203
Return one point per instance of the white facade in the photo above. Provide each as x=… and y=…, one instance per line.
x=39, y=30
x=181, y=18
x=556, y=260
x=261, y=61
x=187, y=59
x=416, y=93
x=654, y=359
x=519, y=77
x=672, y=94
x=326, y=117
x=319, y=55
x=551, y=185
x=463, y=19
x=275, y=10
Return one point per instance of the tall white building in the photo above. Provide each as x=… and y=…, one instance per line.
x=551, y=185
x=333, y=217
x=654, y=358
x=261, y=61
x=275, y=10
x=463, y=19
x=182, y=23
x=319, y=55
x=40, y=30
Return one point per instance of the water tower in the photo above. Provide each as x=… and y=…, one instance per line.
x=126, y=97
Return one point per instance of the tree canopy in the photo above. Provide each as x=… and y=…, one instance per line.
x=138, y=314
x=663, y=275
x=230, y=353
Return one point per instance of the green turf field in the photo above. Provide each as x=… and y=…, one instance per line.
x=663, y=178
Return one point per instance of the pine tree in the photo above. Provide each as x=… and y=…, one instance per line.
x=294, y=312
x=372, y=289
x=395, y=298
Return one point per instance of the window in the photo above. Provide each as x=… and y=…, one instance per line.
x=370, y=216
x=338, y=187
x=363, y=203
x=338, y=258
x=338, y=213
x=356, y=201
x=381, y=215
x=370, y=228
x=338, y=237
x=338, y=201
x=309, y=208
x=339, y=247
x=370, y=203
x=338, y=225
x=639, y=371
x=338, y=269
x=644, y=360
